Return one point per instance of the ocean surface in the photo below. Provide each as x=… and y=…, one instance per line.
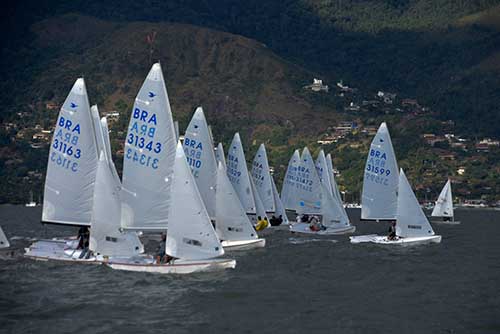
x=296, y=284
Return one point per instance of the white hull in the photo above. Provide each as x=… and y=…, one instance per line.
x=378, y=239
x=30, y=205
x=243, y=244
x=446, y=222
x=57, y=250
x=304, y=228
x=177, y=267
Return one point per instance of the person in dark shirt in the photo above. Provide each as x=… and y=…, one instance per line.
x=392, y=231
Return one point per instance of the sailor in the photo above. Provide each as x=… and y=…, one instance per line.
x=261, y=223
x=392, y=231
x=280, y=220
x=315, y=225
x=83, y=235
x=274, y=221
x=160, y=255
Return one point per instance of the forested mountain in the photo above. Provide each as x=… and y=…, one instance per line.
x=246, y=63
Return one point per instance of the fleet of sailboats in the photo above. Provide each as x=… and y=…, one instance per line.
x=204, y=202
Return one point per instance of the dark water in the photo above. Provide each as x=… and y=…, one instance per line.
x=297, y=284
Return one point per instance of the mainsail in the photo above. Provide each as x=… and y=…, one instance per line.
x=232, y=221
x=379, y=197
x=444, y=203
x=290, y=183
x=262, y=179
x=308, y=190
x=149, y=153
x=71, y=168
x=191, y=235
x=410, y=219
x=237, y=172
x=198, y=148
x=334, y=187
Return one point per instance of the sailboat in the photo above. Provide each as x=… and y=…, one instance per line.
x=412, y=226
x=159, y=191
x=191, y=238
x=219, y=197
x=380, y=182
x=70, y=178
x=31, y=203
x=4, y=242
x=106, y=238
x=243, y=184
x=324, y=167
x=444, y=206
x=266, y=188
x=315, y=199
x=232, y=224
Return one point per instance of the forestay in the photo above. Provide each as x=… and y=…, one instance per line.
x=232, y=222
x=262, y=179
x=410, y=220
x=149, y=153
x=237, y=172
x=220, y=156
x=380, y=183
x=105, y=236
x=290, y=183
x=191, y=235
x=71, y=168
x=444, y=203
x=200, y=156
x=309, y=193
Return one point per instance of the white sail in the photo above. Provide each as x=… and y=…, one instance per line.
x=323, y=172
x=290, y=183
x=262, y=179
x=4, y=242
x=220, y=156
x=410, y=219
x=334, y=187
x=103, y=142
x=232, y=222
x=280, y=208
x=109, y=156
x=71, y=168
x=237, y=172
x=260, y=210
x=380, y=183
x=309, y=194
x=191, y=235
x=105, y=236
x=198, y=148
x=444, y=203
x=176, y=128
x=332, y=210
x=149, y=153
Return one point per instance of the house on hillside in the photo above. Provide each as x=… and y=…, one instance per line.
x=317, y=86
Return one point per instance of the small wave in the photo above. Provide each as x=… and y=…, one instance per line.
x=296, y=241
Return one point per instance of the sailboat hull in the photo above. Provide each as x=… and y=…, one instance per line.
x=177, y=267
x=410, y=241
x=446, y=222
x=231, y=245
x=305, y=228
x=57, y=250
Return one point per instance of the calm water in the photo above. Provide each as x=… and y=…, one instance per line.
x=297, y=284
